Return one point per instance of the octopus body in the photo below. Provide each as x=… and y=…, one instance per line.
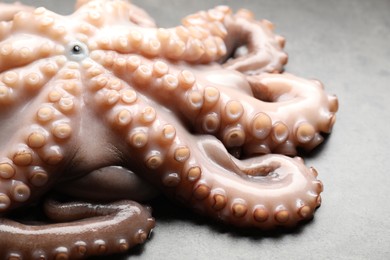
x=104, y=106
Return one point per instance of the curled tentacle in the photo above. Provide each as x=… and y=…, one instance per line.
x=90, y=229
x=299, y=109
x=254, y=47
x=275, y=113
x=266, y=191
x=199, y=171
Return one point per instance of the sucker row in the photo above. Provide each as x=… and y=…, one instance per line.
x=226, y=115
x=202, y=38
x=191, y=43
x=184, y=166
x=38, y=147
x=117, y=227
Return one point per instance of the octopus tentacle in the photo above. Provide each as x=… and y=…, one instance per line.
x=132, y=13
x=107, y=87
x=38, y=23
x=8, y=11
x=258, y=123
x=27, y=167
x=194, y=44
x=267, y=191
x=204, y=37
x=173, y=43
x=251, y=45
x=200, y=171
x=18, y=54
x=95, y=229
x=251, y=118
x=20, y=85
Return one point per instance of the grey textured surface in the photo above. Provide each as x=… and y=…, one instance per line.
x=345, y=44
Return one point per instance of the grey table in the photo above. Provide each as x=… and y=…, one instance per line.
x=345, y=44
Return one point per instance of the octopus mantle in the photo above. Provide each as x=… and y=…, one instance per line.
x=104, y=106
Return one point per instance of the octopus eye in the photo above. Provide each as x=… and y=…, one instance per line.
x=77, y=51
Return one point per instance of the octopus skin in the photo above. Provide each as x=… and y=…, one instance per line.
x=105, y=107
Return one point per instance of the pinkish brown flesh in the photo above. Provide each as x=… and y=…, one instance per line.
x=103, y=105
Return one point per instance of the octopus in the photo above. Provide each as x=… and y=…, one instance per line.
x=106, y=108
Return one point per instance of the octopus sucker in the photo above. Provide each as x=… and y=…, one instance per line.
x=212, y=197
x=104, y=106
